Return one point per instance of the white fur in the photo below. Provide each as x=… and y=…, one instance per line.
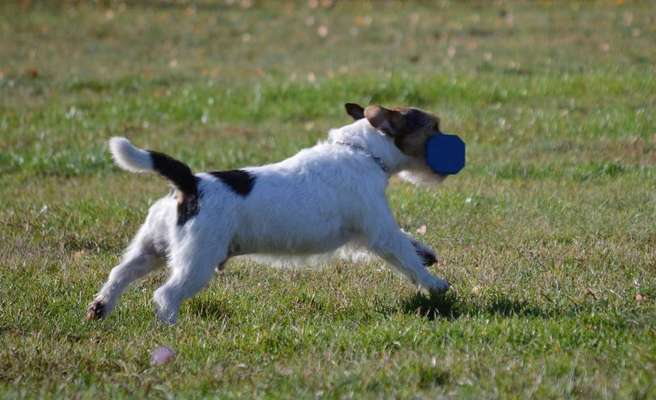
x=420, y=174
x=129, y=157
x=326, y=198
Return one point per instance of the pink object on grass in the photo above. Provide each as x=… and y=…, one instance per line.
x=162, y=355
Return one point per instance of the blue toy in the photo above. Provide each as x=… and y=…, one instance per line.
x=445, y=154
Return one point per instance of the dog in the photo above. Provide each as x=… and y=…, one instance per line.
x=317, y=201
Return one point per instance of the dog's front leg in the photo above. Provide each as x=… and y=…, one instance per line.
x=403, y=256
x=407, y=255
x=426, y=254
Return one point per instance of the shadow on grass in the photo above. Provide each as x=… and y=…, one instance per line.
x=206, y=308
x=450, y=307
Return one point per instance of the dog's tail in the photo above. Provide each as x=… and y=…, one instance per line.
x=134, y=159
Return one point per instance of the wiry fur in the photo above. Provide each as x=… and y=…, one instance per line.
x=421, y=174
x=327, y=198
x=129, y=157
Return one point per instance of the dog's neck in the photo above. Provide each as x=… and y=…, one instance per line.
x=363, y=137
x=362, y=149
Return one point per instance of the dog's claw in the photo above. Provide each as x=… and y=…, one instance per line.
x=96, y=310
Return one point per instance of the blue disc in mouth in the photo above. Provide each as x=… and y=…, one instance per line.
x=445, y=154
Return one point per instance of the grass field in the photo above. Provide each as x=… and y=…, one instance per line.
x=548, y=236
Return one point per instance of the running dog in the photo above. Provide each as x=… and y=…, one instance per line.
x=317, y=201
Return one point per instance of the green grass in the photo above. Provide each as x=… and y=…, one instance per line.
x=548, y=236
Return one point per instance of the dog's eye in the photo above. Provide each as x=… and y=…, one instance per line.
x=415, y=119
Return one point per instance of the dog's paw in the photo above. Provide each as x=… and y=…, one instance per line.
x=438, y=287
x=165, y=311
x=166, y=317
x=96, y=310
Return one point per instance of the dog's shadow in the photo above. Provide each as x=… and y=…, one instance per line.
x=207, y=308
x=450, y=307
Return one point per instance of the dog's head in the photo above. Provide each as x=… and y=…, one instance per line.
x=409, y=128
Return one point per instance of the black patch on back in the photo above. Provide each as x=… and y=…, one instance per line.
x=183, y=179
x=240, y=181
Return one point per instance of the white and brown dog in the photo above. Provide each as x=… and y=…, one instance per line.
x=317, y=201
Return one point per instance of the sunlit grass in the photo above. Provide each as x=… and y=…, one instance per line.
x=547, y=236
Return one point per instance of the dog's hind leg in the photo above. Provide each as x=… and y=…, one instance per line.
x=140, y=259
x=192, y=266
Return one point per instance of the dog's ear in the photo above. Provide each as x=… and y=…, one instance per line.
x=400, y=121
x=387, y=121
x=356, y=111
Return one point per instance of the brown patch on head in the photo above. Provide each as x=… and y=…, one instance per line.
x=410, y=127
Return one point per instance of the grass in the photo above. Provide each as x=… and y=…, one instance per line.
x=547, y=236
